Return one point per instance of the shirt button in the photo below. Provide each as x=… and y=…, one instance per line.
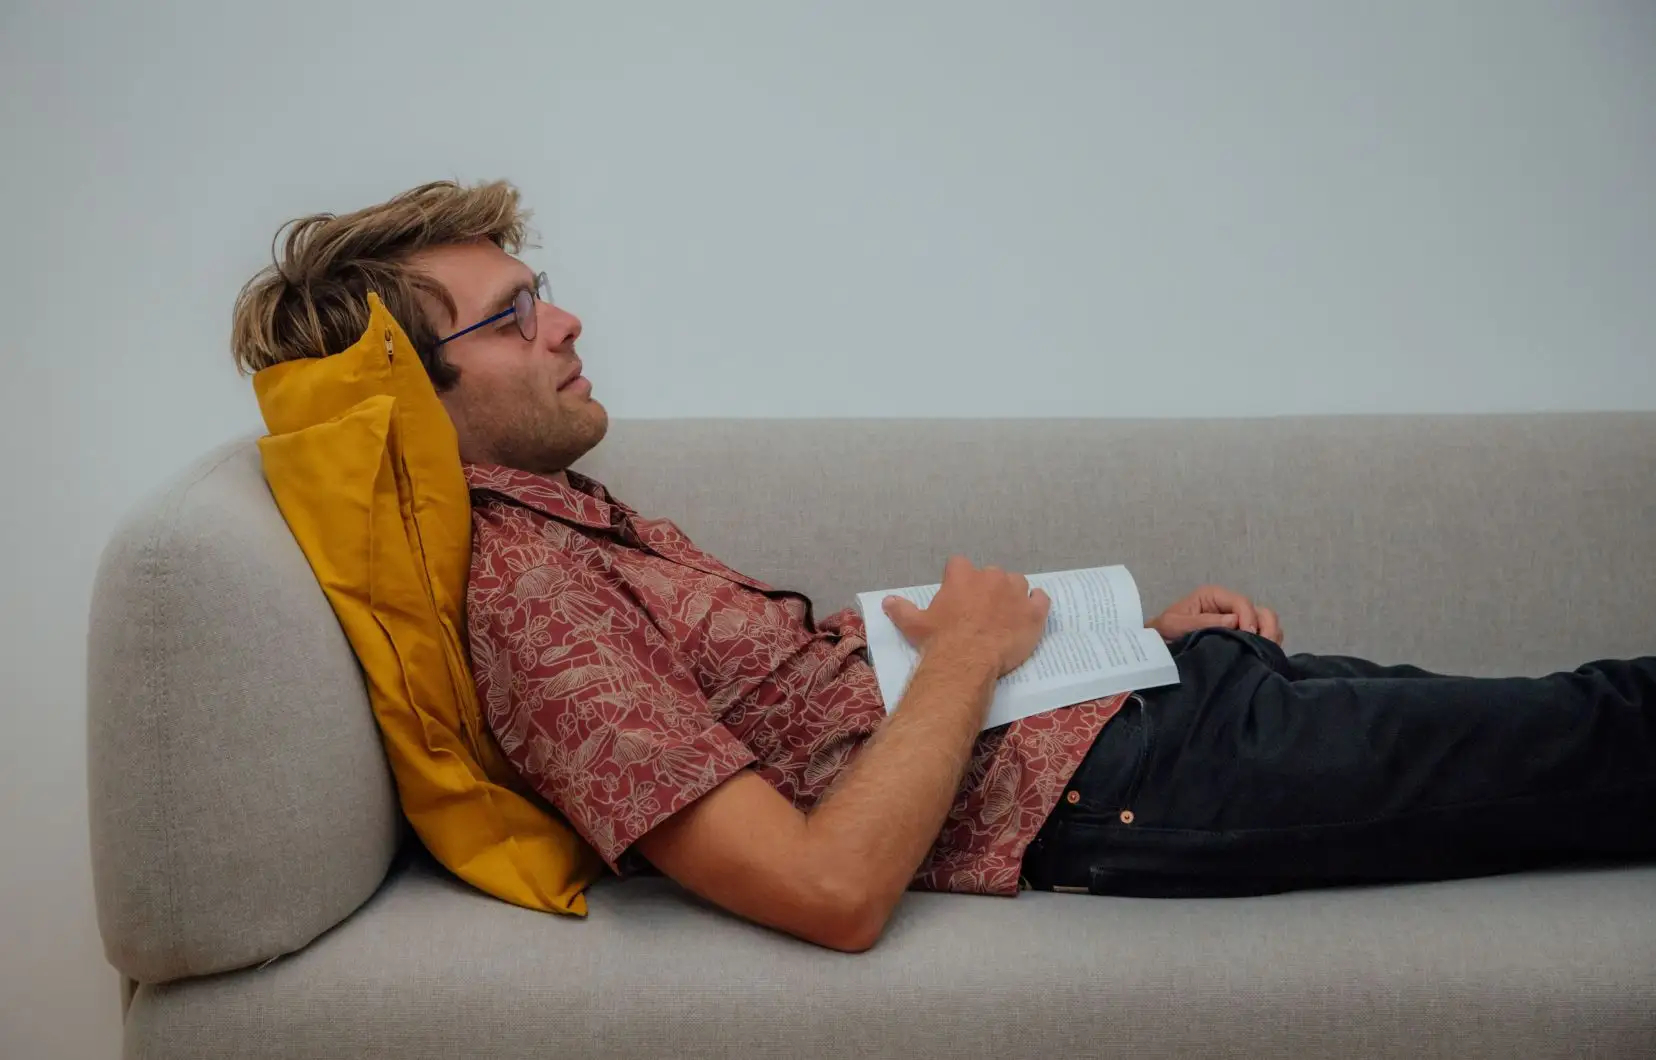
x=1073, y=797
x=1126, y=816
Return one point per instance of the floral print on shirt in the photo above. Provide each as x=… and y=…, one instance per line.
x=626, y=673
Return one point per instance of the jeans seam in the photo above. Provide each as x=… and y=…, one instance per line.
x=1112, y=822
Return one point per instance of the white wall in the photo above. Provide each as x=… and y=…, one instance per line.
x=806, y=210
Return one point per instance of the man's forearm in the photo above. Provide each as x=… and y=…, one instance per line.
x=879, y=821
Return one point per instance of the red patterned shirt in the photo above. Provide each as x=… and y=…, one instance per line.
x=626, y=673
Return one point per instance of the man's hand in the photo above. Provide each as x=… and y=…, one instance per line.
x=834, y=875
x=1215, y=607
x=989, y=608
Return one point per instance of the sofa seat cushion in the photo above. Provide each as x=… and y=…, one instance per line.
x=1538, y=965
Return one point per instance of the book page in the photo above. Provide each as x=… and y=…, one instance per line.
x=1058, y=655
x=1094, y=645
x=1101, y=599
x=1062, y=672
x=1078, y=653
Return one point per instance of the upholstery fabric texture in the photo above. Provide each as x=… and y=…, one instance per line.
x=1540, y=966
x=240, y=801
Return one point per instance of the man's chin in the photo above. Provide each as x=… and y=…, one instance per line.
x=600, y=417
x=594, y=424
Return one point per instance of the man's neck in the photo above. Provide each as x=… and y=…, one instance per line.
x=561, y=476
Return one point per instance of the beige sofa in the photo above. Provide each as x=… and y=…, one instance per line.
x=257, y=885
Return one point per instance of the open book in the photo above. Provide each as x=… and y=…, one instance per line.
x=1094, y=645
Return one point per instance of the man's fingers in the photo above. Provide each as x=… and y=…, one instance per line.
x=1270, y=627
x=1219, y=598
x=1171, y=626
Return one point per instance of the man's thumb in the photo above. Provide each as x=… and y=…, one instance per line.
x=901, y=612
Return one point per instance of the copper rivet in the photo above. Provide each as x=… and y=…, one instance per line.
x=1073, y=797
x=1126, y=816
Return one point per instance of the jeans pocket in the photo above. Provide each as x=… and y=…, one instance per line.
x=1101, y=792
x=1111, y=775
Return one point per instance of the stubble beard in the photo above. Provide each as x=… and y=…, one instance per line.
x=548, y=437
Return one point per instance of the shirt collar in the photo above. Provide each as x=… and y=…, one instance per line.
x=584, y=501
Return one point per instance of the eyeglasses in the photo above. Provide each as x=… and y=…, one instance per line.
x=523, y=307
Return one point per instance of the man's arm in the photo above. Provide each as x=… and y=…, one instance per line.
x=834, y=876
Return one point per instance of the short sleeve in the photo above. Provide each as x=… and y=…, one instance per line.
x=585, y=696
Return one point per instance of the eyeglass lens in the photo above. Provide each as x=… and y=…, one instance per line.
x=523, y=306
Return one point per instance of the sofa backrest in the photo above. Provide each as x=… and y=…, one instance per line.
x=241, y=804
x=1477, y=544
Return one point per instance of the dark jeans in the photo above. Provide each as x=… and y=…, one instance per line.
x=1261, y=773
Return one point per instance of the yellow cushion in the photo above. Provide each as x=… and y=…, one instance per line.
x=365, y=466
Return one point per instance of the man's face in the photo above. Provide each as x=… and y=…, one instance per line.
x=519, y=403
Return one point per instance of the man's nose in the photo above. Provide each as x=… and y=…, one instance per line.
x=558, y=327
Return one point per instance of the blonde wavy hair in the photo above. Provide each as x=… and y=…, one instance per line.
x=313, y=299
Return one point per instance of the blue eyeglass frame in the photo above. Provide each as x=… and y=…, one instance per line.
x=541, y=292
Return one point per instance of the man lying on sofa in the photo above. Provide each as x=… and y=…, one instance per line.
x=677, y=711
